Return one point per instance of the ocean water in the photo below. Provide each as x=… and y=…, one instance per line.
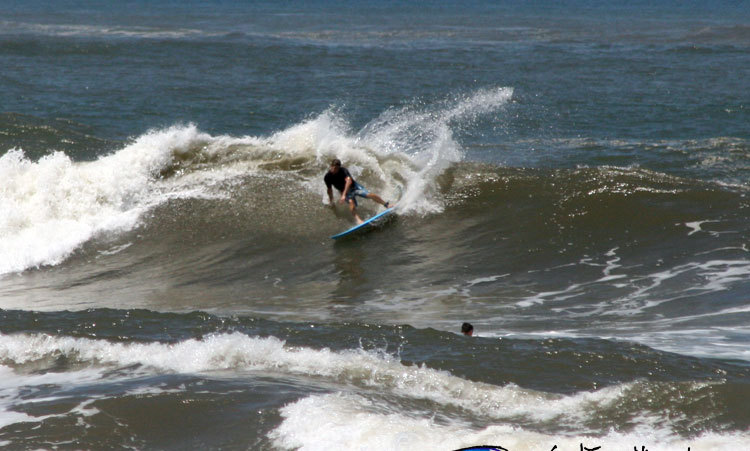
x=571, y=178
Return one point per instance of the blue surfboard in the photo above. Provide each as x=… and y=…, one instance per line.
x=365, y=224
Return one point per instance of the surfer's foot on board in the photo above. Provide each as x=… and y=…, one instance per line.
x=388, y=205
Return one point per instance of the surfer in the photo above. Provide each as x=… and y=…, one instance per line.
x=340, y=177
x=467, y=329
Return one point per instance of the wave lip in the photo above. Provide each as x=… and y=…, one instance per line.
x=55, y=204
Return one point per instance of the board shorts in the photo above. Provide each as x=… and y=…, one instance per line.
x=356, y=190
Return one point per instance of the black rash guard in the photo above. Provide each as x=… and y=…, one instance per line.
x=338, y=179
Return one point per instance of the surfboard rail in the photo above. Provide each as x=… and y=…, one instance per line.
x=364, y=224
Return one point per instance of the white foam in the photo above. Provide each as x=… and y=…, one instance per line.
x=348, y=421
x=539, y=298
x=362, y=368
x=488, y=279
x=713, y=276
x=50, y=207
x=715, y=342
x=319, y=421
x=15, y=388
x=116, y=249
x=7, y=416
x=697, y=226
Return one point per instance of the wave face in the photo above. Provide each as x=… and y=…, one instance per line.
x=57, y=204
x=548, y=263
x=180, y=208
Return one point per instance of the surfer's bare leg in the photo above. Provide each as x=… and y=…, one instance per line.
x=378, y=199
x=353, y=208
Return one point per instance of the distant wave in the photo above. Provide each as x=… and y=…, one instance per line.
x=424, y=37
x=733, y=34
x=722, y=159
x=98, y=31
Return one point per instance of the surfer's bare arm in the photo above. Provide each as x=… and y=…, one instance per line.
x=346, y=189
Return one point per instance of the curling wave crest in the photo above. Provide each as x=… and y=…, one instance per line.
x=52, y=206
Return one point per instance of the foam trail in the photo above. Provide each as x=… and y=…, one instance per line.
x=15, y=389
x=7, y=394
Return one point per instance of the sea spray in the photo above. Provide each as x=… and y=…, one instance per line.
x=425, y=135
x=401, y=152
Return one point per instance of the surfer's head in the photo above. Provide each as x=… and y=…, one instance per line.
x=467, y=329
x=335, y=165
